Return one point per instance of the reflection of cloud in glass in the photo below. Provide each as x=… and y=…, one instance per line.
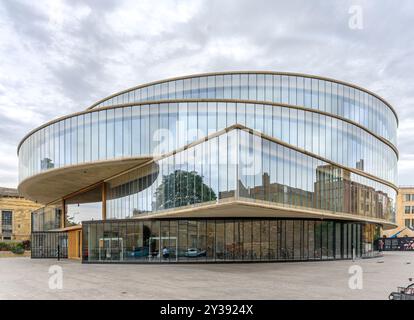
x=84, y=212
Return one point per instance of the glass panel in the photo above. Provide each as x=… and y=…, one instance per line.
x=110, y=133
x=127, y=131
x=94, y=136
x=211, y=227
x=102, y=135
x=256, y=240
x=247, y=240
x=84, y=207
x=219, y=249
x=118, y=133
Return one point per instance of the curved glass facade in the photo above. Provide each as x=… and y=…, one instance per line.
x=221, y=240
x=153, y=129
x=317, y=154
x=239, y=165
x=310, y=92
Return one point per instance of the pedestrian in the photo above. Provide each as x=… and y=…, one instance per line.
x=380, y=245
x=165, y=253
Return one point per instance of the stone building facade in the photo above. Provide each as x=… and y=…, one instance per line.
x=404, y=214
x=15, y=215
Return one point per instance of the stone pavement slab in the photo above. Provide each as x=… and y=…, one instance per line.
x=25, y=278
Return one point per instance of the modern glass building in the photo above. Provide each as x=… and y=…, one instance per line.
x=229, y=166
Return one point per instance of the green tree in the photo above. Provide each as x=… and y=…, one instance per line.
x=182, y=188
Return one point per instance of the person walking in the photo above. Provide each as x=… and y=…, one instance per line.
x=165, y=253
x=380, y=245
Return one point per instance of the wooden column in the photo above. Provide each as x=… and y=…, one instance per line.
x=104, y=201
x=63, y=215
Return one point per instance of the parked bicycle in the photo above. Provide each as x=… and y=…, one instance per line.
x=403, y=293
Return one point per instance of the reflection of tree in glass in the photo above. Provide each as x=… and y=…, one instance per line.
x=182, y=188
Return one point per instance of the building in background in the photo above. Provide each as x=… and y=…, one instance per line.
x=15, y=217
x=228, y=166
x=404, y=214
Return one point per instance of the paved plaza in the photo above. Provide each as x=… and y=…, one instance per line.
x=24, y=278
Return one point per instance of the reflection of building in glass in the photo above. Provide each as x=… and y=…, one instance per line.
x=46, y=218
x=218, y=167
x=335, y=191
x=276, y=192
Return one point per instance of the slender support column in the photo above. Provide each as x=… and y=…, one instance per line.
x=63, y=215
x=104, y=201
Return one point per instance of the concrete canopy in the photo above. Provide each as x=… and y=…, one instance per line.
x=245, y=208
x=69, y=179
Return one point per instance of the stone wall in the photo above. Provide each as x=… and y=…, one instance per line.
x=400, y=215
x=21, y=216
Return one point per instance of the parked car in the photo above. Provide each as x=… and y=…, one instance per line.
x=140, y=252
x=194, y=252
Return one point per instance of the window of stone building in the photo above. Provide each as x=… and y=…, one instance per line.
x=6, y=222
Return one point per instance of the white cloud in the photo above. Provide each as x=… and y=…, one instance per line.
x=144, y=18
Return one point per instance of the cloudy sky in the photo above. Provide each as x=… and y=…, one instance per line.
x=58, y=57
